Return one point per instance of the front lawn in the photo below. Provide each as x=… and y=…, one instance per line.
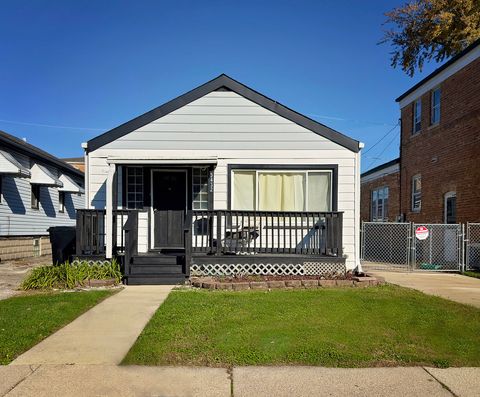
x=380, y=326
x=26, y=320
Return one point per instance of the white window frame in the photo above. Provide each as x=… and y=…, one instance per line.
x=417, y=115
x=414, y=179
x=282, y=171
x=433, y=106
x=375, y=217
x=127, y=189
x=445, y=199
x=201, y=169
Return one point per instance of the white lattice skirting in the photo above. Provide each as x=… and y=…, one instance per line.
x=267, y=269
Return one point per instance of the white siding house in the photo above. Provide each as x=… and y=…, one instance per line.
x=252, y=153
x=37, y=191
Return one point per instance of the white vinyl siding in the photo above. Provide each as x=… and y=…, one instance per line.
x=236, y=131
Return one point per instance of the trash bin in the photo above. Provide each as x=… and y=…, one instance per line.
x=62, y=239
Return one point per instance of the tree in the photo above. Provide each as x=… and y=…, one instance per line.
x=431, y=29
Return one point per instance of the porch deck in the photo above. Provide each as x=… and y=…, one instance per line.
x=219, y=242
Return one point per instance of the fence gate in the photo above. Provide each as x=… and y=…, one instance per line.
x=472, y=251
x=386, y=246
x=439, y=248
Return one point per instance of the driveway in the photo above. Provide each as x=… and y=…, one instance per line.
x=455, y=287
x=12, y=273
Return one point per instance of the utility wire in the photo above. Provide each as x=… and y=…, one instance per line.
x=51, y=125
x=382, y=138
x=383, y=151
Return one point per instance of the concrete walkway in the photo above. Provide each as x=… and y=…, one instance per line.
x=99, y=380
x=455, y=287
x=104, y=334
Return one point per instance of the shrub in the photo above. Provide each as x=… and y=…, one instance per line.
x=71, y=275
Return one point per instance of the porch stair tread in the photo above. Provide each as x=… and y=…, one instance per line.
x=156, y=279
x=156, y=269
x=157, y=259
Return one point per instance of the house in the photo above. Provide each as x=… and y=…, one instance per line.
x=37, y=191
x=221, y=180
x=77, y=162
x=439, y=173
x=380, y=193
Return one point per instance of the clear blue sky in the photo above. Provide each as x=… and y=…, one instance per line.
x=93, y=65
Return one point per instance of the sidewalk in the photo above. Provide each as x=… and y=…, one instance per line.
x=455, y=287
x=88, y=380
x=104, y=334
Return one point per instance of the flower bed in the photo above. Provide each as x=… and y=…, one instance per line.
x=275, y=282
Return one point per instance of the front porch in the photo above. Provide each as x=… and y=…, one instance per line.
x=216, y=242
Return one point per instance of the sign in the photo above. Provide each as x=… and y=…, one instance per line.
x=421, y=233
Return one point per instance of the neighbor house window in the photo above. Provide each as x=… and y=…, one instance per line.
x=416, y=193
x=380, y=204
x=35, y=196
x=282, y=190
x=451, y=207
x=134, y=188
x=417, y=116
x=200, y=188
x=61, y=201
x=435, y=116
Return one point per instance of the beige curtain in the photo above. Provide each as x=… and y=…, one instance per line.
x=319, y=191
x=281, y=192
x=244, y=190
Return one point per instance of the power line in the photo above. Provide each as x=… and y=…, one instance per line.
x=382, y=138
x=383, y=151
x=51, y=125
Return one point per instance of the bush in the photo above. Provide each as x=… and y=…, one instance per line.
x=71, y=275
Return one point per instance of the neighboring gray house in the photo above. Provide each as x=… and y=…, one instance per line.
x=37, y=191
x=221, y=180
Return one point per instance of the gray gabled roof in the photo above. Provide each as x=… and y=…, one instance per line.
x=21, y=146
x=223, y=82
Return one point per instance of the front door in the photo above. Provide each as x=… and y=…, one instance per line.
x=169, y=203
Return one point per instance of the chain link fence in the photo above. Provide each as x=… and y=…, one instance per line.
x=472, y=252
x=386, y=246
x=410, y=246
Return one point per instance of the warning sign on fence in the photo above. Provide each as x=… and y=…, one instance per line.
x=421, y=233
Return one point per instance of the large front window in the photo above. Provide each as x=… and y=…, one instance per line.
x=282, y=190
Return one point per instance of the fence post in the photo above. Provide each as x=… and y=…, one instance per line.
x=412, y=257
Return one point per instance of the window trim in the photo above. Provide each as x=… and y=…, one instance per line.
x=414, y=124
x=333, y=168
x=34, y=197
x=385, y=213
x=414, y=178
x=432, y=107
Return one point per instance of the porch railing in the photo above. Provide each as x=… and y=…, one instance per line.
x=265, y=232
x=90, y=231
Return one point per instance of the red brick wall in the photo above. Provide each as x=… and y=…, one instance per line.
x=446, y=155
x=393, y=183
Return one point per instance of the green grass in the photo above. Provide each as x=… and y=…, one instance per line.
x=26, y=320
x=475, y=274
x=380, y=326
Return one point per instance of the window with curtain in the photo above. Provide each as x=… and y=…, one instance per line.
x=282, y=190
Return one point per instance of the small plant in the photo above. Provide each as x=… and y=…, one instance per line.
x=71, y=275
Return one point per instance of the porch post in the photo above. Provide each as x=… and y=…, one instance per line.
x=109, y=212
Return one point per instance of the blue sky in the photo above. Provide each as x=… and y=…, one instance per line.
x=72, y=70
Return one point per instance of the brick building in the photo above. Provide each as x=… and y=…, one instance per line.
x=439, y=170
x=380, y=193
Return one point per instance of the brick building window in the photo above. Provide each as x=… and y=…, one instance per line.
x=451, y=207
x=380, y=204
x=435, y=113
x=417, y=116
x=416, y=193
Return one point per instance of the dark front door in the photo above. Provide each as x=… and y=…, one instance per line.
x=169, y=204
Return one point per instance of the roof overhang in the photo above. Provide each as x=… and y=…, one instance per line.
x=162, y=160
x=42, y=176
x=69, y=185
x=9, y=165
